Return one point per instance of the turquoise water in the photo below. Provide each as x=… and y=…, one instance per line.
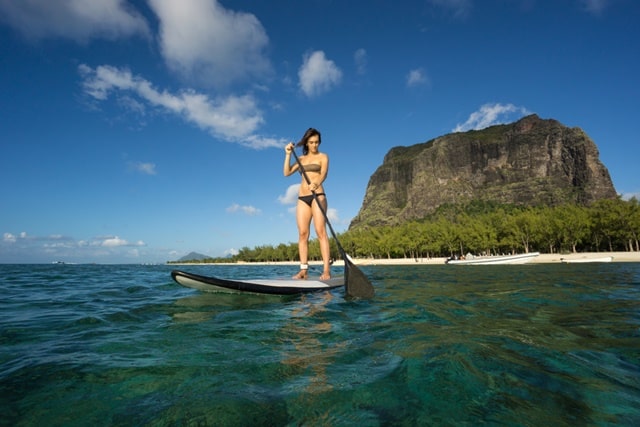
x=532, y=345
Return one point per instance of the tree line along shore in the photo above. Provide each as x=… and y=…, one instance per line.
x=480, y=228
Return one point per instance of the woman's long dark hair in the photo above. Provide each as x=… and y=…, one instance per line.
x=308, y=134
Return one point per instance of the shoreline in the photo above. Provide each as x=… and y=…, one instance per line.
x=541, y=259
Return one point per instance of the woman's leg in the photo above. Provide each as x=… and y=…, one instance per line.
x=303, y=218
x=320, y=225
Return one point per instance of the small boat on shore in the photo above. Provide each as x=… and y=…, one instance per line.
x=585, y=260
x=495, y=260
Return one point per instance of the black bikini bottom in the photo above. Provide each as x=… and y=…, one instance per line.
x=309, y=199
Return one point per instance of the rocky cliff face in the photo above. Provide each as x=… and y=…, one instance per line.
x=529, y=162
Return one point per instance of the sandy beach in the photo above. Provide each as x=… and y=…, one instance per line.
x=541, y=259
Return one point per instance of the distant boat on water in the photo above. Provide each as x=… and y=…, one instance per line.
x=585, y=260
x=495, y=260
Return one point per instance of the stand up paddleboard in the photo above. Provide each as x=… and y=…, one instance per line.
x=256, y=286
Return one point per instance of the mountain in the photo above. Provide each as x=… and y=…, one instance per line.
x=529, y=162
x=193, y=256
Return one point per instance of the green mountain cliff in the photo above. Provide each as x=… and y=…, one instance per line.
x=530, y=162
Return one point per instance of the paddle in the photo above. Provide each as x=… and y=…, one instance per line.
x=356, y=283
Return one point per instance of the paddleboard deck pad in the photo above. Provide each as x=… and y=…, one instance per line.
x=255, y=286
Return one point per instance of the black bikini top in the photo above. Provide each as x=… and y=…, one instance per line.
x=311, y=167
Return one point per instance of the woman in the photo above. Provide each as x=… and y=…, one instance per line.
x=316, y=166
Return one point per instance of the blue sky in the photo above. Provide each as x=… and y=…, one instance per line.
x=138, y=131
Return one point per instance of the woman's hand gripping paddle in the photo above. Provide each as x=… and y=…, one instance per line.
x=356, y=283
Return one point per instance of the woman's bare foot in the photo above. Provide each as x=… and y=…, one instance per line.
x=302, y=275
x=325, y=276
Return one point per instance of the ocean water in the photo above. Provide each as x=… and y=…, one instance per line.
x=122, y=345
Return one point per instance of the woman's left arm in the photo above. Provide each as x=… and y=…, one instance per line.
x=324, y=170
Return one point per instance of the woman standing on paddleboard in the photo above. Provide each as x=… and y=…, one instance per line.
x=315, y=166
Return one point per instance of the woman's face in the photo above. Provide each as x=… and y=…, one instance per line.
x=313, y=143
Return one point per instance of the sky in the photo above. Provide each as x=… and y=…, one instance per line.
x=139, y=131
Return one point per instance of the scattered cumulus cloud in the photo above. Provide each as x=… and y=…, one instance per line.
x=290, y=197
x=248, y=210
x=9, y=238
x=462, y=8
x=54, y=247
x=80, y=21
x=199, y=40
x=144, y=168
x=491, y=114
x=630, y=195
x=360, y=59
x=204, y=42
x=318, y=74
x=132, y=105
x=417, y=77
x=115, y=241
x=232, y=118
x=332, y=214
x=22, y=236
x=260, y=142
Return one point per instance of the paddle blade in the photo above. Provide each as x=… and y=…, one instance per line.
x=356, y=283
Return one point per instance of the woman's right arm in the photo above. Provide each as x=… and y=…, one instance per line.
x=288, y=169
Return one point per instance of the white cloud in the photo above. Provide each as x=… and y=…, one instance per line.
x=232, y=118
x=199, y=39
x=133, y=253
x=290, y=197
x=630, y=195
x=417, y=77
x=145, y=168
x=248, y=210
x=115, y=241
x=318, y=74
x=360, y=58
x=73, y=19
x=259, y=142
x=231, y=252
x=332, y=214
x=27, y=248
x=12, y=238
x=203, y=41
x=491, y=114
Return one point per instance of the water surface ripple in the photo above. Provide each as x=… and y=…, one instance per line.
x=528, y=345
